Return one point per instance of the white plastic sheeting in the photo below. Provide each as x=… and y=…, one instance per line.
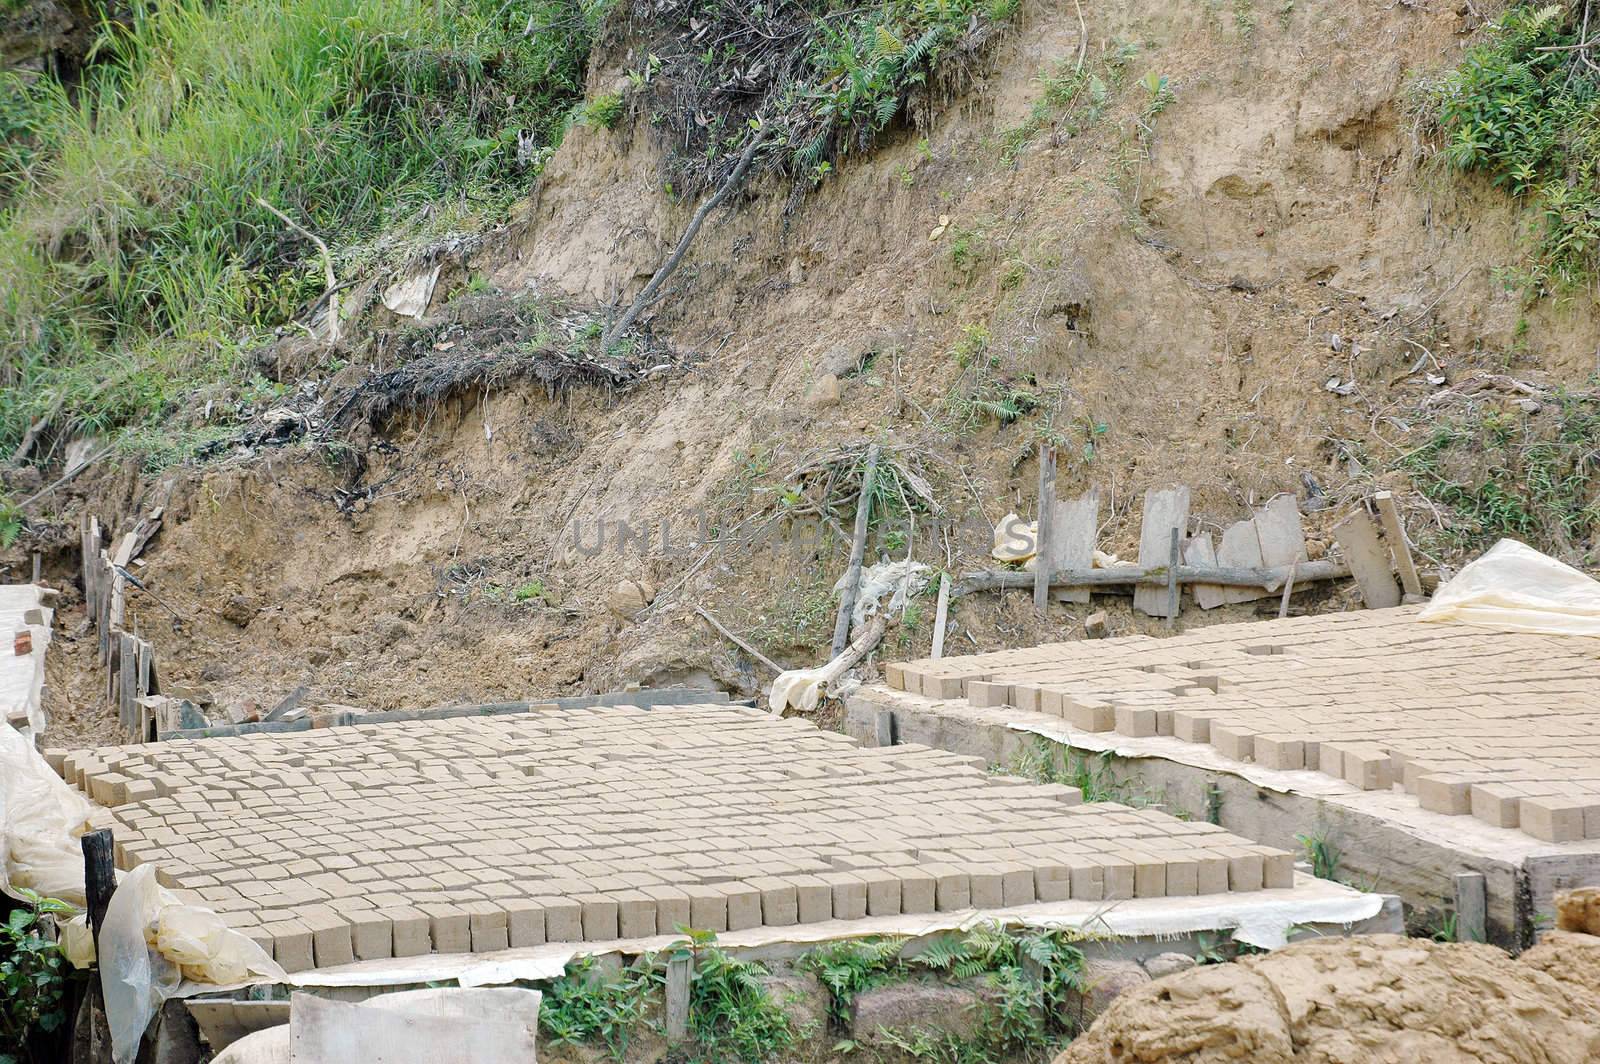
x=151, y=947
x=1514, y=588
x=899, y=580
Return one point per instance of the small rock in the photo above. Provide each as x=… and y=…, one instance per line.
x=1529, y=406
x=804, y=999
x=213, y=671
x=1097, y=625
x=239, y=610
x=825, y=392
x=1107, y=980
x=917, y=1005
x=246, y=712
x=797, y=272
x=628, y=597
x=1164, y=964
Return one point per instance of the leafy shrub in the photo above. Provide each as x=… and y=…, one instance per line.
x=731, y=1014
x=586, y=1005
x=1523, y=107
x=33, y=975
x=603, y=111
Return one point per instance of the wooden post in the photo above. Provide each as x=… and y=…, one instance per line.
x=38, y=563
x=858, y=548
x=1472, y=907
x=883, y=728
x=941, y=616
x=1288, y=589
x=1394, y=534
x=1172, y=581
x=680, y=973
x=1045, y=529
x=99, y=876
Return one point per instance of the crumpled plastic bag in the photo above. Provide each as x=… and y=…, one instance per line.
x=1015, y=540
x=899, y=580
x=1514, y=588
x=41, y=819
x=153, y=947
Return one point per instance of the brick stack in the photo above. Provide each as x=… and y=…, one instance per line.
x=1471, y=721
x=593, y=824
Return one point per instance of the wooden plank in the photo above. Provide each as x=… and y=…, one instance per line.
x=1394, y=534
x=941, y=616
x=1241, y=549
x=1472, y=907
x=1368, y=561
x=1279, y=532
x=680, y=972
x=1174, y=559
x=1044, y=543
x=1202, y=551
x=127, y=682
x=858, y=548
x=1074, y=527
x=1164, y=510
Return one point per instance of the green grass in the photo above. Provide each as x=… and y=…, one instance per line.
x=1523, y=108
x=1504, y=473
x=139, y=263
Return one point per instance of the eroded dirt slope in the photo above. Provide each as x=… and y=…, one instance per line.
x=1183, y=277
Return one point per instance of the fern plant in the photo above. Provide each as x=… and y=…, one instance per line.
x=848, y=968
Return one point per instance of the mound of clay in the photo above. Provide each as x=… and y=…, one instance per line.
x=1382, y=999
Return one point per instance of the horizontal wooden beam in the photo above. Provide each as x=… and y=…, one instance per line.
x=1271, y=578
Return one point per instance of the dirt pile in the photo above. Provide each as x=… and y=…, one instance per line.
x=1381, y=998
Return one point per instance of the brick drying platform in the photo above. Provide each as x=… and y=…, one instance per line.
x=1465, y=721
x=478, y=834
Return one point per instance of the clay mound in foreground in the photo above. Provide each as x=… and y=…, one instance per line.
x=1378, y=998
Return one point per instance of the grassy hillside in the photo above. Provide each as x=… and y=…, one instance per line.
x=138, y=255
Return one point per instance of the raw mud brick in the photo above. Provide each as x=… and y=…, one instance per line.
x=1088, y=879
x=1089, y=715
x=708, y=908
x=1183, y=877
x=412, y=933
x=1211, y=876
x=449, y=927
x=1246, y=870
x=524, y=922
x=1026, y=696
x=1367, y=767
x=1119, y=877
x=983, y=695
x=952, y=889
x=1445, y=793
x=1278, y=752
x=744, y=906
x=291, y=944
x=1136, y=721
x=988, y=889
x=917, y=890
x=488, y=926
x=330, y=938
x=1233, y=742
x=1191, y=727
x=563, y=920
x=672, y=908
x=1496, y=803
x=1016, y=885
x=883, y=893
x=1149, y=876
x=600, y=923
x=780, y=901
x=1558, y=818
x=636, y=915
x=849, y=895
x=371, y=935
x=1277, y=869
x=813, y=898
x=1052, y=883
x=894, y=675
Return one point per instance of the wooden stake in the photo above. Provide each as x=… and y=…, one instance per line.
x=1288, y=589
x=858, y=548
x=941, y=616
x=1472, y=903
x=99, y=876
x=1172, y=581
x=1394, y=534
x=680, y=974
x=1044, y=536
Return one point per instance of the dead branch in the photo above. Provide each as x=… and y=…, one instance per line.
x=647, y=295
x=332, y=291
